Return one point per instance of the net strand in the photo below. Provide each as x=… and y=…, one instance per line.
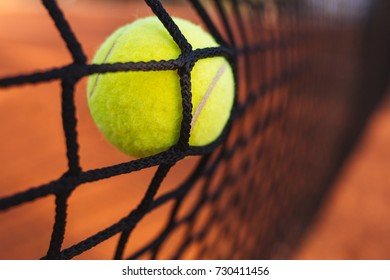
x=76, y=72
x=66, y=32
x=225, y=21
x=145, y=205
x=199, y=8
x=158, y=9
x=58, y=233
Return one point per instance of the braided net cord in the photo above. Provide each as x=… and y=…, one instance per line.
x=261, y=182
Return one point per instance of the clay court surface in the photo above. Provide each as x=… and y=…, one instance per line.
x=353, y=225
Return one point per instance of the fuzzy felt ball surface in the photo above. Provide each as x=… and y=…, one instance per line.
x=140, y=112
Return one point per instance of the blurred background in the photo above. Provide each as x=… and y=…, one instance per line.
x=353, y=224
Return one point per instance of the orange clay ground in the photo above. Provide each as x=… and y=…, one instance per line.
x=353, y=225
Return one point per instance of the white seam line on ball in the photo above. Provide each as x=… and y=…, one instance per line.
x=105, y=59
x=207, y=95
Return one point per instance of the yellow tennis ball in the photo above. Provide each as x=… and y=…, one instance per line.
x=140, y=112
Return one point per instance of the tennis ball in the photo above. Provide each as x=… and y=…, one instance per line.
x=140, y=112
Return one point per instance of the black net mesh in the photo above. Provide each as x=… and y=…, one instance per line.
x=307, y=73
